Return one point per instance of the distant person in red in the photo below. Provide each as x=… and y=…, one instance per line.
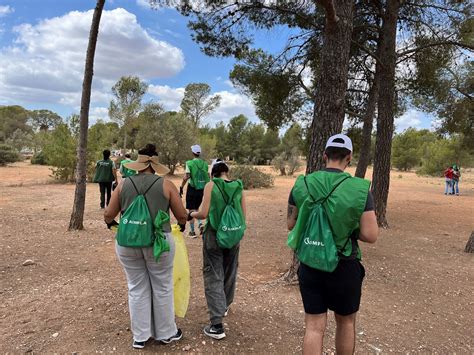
x=456, y=176
x=448, y=174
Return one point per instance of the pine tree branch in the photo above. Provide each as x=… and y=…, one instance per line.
x=463, y=45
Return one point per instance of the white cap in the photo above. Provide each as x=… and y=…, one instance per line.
x=196, y=149
x=347, y=143
x=217, y=161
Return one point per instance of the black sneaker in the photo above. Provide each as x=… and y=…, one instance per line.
x=192, y=235
x=138, y=344
x=175, y=337
x=214, y=332
x=201, y=229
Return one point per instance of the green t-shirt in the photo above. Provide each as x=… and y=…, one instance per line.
x=104, y=171
x=124, y=171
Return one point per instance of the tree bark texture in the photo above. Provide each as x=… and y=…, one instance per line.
x=331, y=87
x=77, y=216
x=386, y=111
x=368, y=125
x=470, y=244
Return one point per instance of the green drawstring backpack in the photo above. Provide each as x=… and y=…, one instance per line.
x=202, y=176
x=231, y=226
x=160, y=244
x=136, y=224
x=316, y=247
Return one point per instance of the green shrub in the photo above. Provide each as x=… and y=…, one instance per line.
x=251, y=176
x=8, y=154
x=279, y=163
x=39, y=159
x=442, y=153
x=60, y=151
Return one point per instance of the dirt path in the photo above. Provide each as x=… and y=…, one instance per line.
x=417, y=294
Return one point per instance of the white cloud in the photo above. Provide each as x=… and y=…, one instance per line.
x=169, y=97
x=411, y=118
x=98, y=113
x=46, y=62
x=5, y=10
x=232, y=104
x=143, y=3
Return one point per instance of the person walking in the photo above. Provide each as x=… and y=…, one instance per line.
x=220, y=255
x=125, y=172
x=197, y=174
x=455, y=181
x=348, y=205
x=150, y=282
x=105, y=175
x=448, y=175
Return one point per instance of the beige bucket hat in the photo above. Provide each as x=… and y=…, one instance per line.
x=144, y=161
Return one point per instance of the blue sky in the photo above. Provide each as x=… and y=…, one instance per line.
x=42, y=49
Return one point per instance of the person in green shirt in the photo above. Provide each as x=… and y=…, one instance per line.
x=350, y=211
x=105, y=175
x=219, y=265
x=198, y=176
x=123, y=170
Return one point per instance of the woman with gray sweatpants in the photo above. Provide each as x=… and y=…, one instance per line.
x=219, y=265
x=150, y=283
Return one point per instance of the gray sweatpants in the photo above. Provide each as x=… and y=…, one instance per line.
x=220, y=274
x=150, y=291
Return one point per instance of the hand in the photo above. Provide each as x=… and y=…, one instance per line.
x=111, y=224
x=189, y=216
x=181, y=191
x=182, y=227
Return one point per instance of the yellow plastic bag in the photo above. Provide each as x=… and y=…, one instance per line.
x=181, y=276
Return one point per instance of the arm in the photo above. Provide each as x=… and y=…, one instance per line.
x=187, y=176
x=203, y=211
x=176, y=205
x=369, y=229
x=243, y=203
x=113, y=208
x=114, y=171
x=292, y=216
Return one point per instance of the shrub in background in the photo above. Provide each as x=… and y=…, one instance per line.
x=251, y=176
x=8, y=154
x=39, y=158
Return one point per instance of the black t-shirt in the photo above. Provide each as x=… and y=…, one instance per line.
x=369, y=205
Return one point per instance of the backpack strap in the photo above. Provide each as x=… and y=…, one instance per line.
x=327, y=196
x=148, y=189
x=227, y=201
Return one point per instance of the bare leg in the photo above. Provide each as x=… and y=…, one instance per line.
x=345, y=334
x=314, y=335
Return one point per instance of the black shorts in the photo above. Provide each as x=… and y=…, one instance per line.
x=193, y=198
x=338, y=291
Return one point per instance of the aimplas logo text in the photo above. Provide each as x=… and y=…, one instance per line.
x=316, y=243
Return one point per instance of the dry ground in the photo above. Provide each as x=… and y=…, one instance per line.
x=418, y=294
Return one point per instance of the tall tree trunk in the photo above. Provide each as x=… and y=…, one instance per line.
x=364, y=156
x=328, y=116
x=77, y=216
x=331, y=88
x=386, y=110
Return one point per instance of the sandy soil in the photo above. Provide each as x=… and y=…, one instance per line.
x=417, y=294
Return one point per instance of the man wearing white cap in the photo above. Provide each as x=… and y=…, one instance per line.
x=197, y=174
x=349, y=209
